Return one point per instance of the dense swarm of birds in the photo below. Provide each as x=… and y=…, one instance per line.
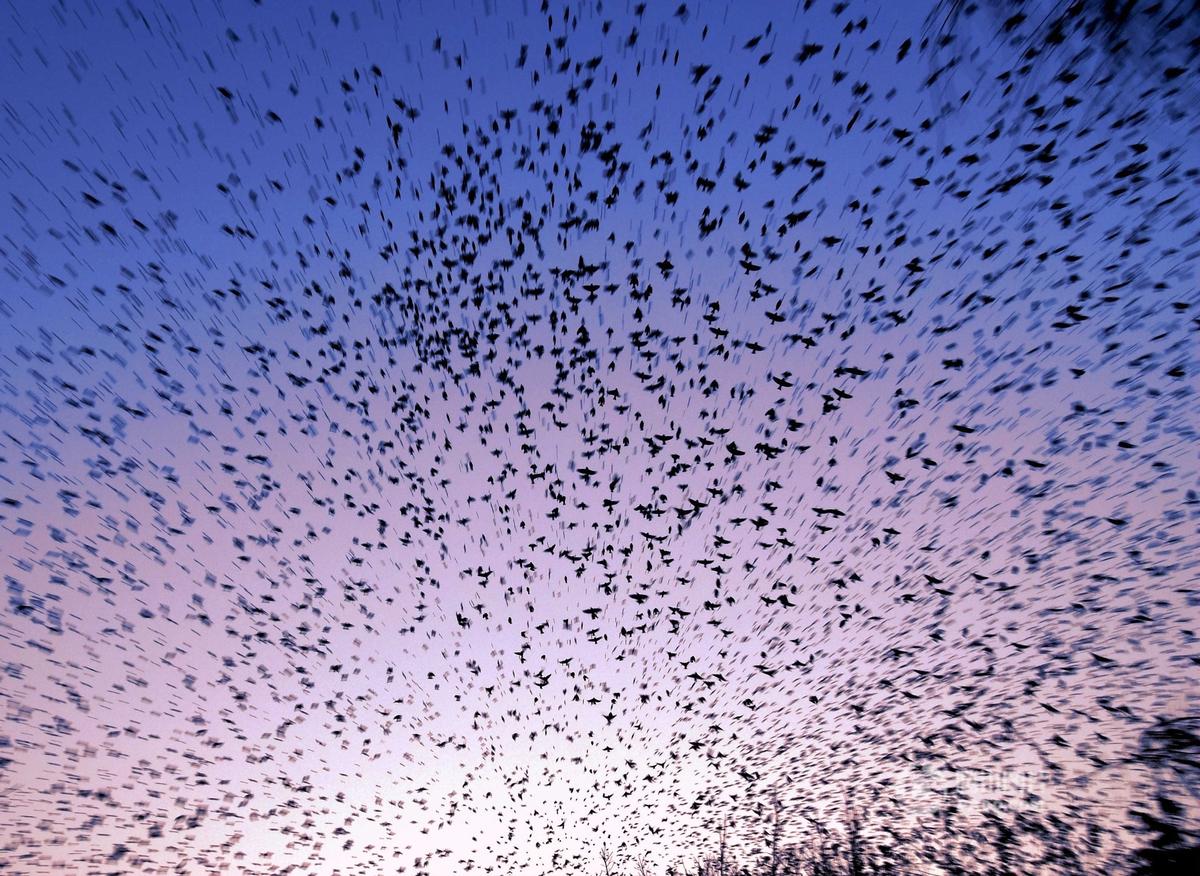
x=597, y=437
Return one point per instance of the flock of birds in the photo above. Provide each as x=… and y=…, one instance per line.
x=458, y=439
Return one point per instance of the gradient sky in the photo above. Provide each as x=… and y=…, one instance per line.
x=217, y=659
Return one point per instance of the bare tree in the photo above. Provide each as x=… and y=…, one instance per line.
x=1172, y=749
x=608, y=861
x=1127, y=33
x=722, y=864
x=775, y=836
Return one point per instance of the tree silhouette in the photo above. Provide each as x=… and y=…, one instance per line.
x=1111, y=37
x=1172, y=750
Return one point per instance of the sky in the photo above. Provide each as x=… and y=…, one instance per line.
x=413, y=414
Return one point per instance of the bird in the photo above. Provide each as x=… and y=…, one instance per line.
x=450, y=439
